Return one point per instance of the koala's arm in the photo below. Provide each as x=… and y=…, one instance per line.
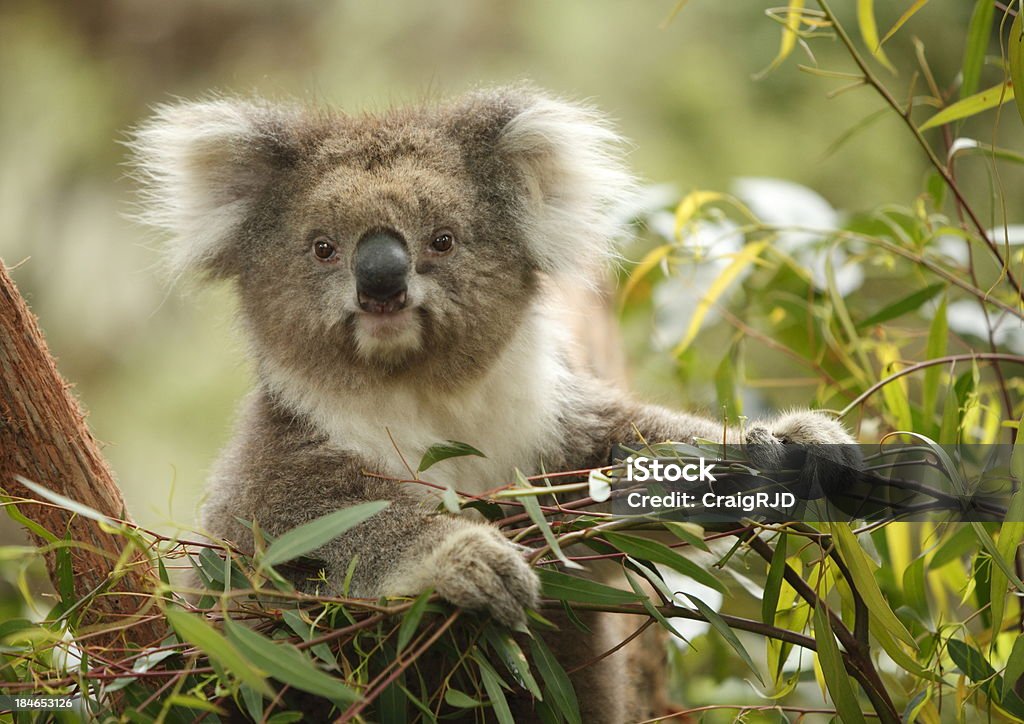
x=599, y=417
x=280, y=475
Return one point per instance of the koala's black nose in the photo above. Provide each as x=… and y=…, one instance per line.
x=381, y=268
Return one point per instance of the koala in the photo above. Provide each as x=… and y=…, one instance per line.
x=392, y=271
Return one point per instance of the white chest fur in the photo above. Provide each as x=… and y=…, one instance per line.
x=510, y=413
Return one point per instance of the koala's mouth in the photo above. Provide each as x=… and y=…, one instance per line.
x=392, y=320
x=390, y=305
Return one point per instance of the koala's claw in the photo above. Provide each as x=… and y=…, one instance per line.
x=478, y=569
x=834, y=461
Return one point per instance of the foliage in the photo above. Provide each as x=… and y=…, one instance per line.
x=905, y=317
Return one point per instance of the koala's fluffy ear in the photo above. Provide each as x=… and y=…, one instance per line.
x=203, y=165
x=577, y=185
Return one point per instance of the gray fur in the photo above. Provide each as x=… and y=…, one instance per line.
x=528, y=184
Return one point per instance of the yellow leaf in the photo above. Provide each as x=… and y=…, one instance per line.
x=645, y=266
x=869, y=32
x=740, y=261
x=788, y=42
x=904, y=18
x=690, y=205
x=971, y=105
x=895, y=394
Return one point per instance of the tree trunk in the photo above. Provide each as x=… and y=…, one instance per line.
x=44, y=438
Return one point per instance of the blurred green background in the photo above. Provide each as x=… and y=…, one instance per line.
x=160, y=369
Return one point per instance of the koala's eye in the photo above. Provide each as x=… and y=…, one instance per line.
x=443, y=242
x=323, y=249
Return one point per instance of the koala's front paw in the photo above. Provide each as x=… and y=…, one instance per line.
x=478, y=569
x=832, y=461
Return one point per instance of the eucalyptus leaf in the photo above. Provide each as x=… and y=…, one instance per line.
x=287, y=664
x=660, y=553
x=834, y=671
x=570, y=588
x=201, y=634
x=445, y=450
x=556, y=681
x=308, y=537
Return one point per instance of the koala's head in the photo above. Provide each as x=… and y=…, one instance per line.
x=402, y=244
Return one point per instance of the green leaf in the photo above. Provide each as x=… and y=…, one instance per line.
x=304, y=631
x=895, y=394
x=975, y=667
x=532, y=508
x=393, y=703
x=569, y=588
x=990, y=547
x=492, y=685
x=899, y=655
x=213, y=566
x=65, y=574
x=460, y=699
x=1010, y=536
x=949, y=427
x=773, y=583
x=918, y=4
x=725, y=632
x=978, y=33
x=192, y=702
x=556, y=681
x=287, y=664
x=914, y=585
x=1015, y=57
x=725, y=386
x=411, y=620
x=862, y=570
x=907, y=304
x=198, y=632
x=443, y=451
x=18, y=517
x=74, y=506
x=970, y=106
x=938, y=338
x=833, y=670
x=869, y=32
x=955, y=546
x=1017, y=454
x=637, y=586
x=1014, y=666
x=970, y=661
x=842, y=314
x=310, y=536
x=253, y=702
x=514, y=658
x=286, y=717
x=688, y=533
x=660, y=553
x=15, y=625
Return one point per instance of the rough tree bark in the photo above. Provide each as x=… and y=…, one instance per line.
x=44, y=438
